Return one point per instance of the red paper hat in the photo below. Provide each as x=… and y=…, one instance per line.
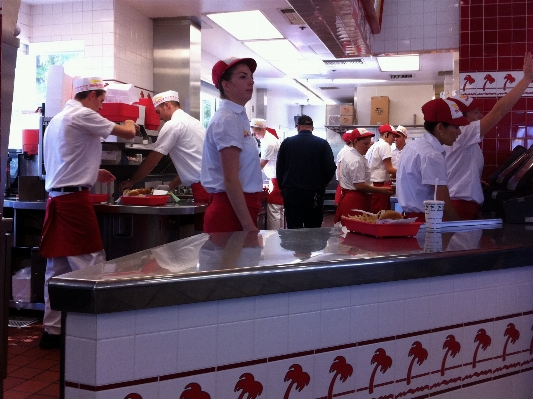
x=440, y=110
x=223, y=65
x=466, y=103
x=360, y=133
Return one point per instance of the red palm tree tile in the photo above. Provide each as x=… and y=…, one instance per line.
x=31, y=386
x=50, y=390
x=25, y=372
x=47, y=376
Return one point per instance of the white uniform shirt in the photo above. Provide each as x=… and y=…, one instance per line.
x=422, y=162
x=464, y=160
x=183, y=138
x=378, y=152
x=339, y=159
x=230, y=128
x=269, y=152
x=354, y=169
x=72, y=146
x=395, y=155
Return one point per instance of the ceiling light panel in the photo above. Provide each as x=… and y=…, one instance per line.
x=399, y=63
x=272, y=50
x=246, y=25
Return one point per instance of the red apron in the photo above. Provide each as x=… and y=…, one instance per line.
x=338, y=194
x=70, y=227
x=352, y=199
x=199, y=194
x=380, y=201
x=220, y=216
x=275, y=196
x=467, y=210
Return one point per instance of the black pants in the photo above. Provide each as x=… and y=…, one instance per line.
x=303, y=208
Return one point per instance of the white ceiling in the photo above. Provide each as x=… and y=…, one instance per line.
x=221, y=45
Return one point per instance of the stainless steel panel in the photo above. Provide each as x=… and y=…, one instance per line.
x=177, y=57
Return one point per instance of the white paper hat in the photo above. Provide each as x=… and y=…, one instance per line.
x=258, y=122
x=84, y=84
x=169, y=95
x=402, y=130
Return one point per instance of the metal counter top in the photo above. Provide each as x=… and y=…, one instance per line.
x=184, y=207
x=232, y=265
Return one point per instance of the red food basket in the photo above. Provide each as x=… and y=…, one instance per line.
x=145, y=200
x=96, y=198
x=381, y=230
x=119, y=112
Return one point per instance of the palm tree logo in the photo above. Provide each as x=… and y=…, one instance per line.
x=452, y=348
x=419, y=355
x=488, y=79
x=468, y=80
x=383, y=362
x=299, y=378
x=512, y=335
x=194, y=391
x=342, y=370
x=508, y=79
x=248, y=385
x=133, y=396
x=483, y=340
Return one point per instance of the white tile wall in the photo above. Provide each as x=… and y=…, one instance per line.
x=212, y=334
x=416, y=25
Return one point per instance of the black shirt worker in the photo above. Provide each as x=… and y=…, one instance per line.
x=304, y=167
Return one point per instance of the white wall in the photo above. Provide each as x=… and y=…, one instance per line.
x=405, y=101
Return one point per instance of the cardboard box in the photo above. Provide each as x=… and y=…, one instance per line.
x=347, y=110
x=379, y=110
x=346, y=120
x=333, y=119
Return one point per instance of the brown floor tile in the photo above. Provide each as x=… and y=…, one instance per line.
x=53, y=354
x=50, y=390
x=17, y=395
x=21, y=360
x=12, y=367
x=47, y=376
x=43, y=364
x=11, y=382
x=17, y=349
x=55, y=368
x=26, y=373
x=31, y=386
x=40, y=396
x=36, y=352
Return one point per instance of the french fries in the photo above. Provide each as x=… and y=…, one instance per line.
x=363, y=218
x=137, y=192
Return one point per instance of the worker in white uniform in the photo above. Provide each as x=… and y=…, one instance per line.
x=338, y=160
x=72, y=149
x=379, y=160
x=182, y=136
x=269, y=155
x=422, y=165
x=398, y=145
x=464, y=158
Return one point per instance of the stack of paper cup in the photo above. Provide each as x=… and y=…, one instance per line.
x=433, y=210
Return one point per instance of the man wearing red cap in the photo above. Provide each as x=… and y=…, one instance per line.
x=354, y=177
x=379, y=160
x=422, y=165
x=464, y=158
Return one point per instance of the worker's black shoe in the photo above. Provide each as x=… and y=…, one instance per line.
x=50, y=341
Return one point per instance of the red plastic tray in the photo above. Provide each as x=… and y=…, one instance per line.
x=145, y=200
x=96, y=198
x=381, y=230
x=119, y=112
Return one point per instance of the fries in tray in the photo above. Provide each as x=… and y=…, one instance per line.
x=365, y=218
x=137, y=192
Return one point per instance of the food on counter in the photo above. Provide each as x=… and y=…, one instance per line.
x=365, y=217
x=137, y=191
x=388, y=214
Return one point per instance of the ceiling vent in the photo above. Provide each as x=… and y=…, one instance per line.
x=406, y=76
x=292, y=16
x=329, y=88
x=344, y=62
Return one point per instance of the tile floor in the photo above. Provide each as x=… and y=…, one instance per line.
x=32, y=372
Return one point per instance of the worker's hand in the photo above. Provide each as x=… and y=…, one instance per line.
x=387, y=190
x=105, y=176
x=132, y=126
x=528, y=66
x=125, y=185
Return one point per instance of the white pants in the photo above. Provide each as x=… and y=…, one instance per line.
x=62, y=265
x=275, y=217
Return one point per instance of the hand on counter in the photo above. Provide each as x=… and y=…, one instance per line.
x=105, y=176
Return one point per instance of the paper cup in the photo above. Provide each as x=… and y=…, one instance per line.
x=433, y=210
x=433, y=241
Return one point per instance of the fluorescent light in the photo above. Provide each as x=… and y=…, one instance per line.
x=271, y=50
x=399, y=63
x=246, y=25
x=348, y=81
